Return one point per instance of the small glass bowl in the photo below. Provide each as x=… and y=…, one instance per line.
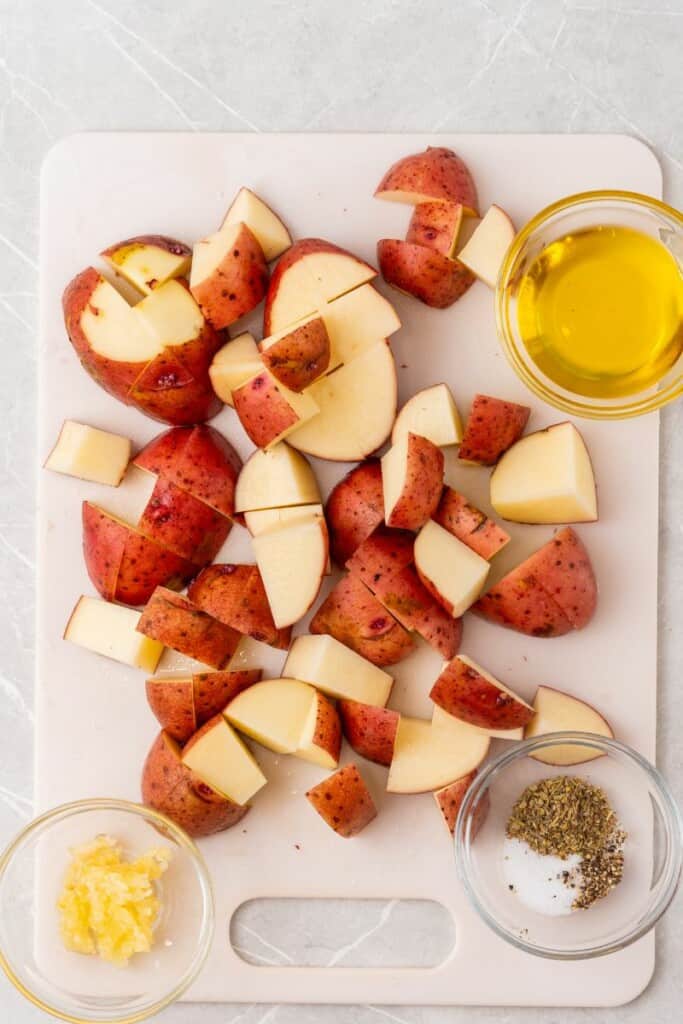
x=576, y=213
x=644, y=807
x=80, y=988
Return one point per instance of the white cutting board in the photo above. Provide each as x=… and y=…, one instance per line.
x=93, y=726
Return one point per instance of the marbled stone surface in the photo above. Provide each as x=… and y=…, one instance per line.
x=476, y=65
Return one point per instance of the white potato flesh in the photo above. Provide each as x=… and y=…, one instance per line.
x=431, y=413
x=233, y=365
x=430, y=755
x=277, y=478
x=90, y=454
x=110, y=630
x=485, y=251
x=221, y=760
x=456, y=572
x=337, y=670
x=292, y=562
x=114, y=330
x=146, y=266
x=263, y=520
x=264, y=223
x=171, y=314
x=560, y=712
x=209, y=252
x=546, y=477
x=273, y=712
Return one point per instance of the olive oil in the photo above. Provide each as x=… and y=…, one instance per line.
x=600, y=311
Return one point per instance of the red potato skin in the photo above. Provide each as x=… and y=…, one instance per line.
x=304, y=247
x=199, y=460
x=354, y=616
x=422, y=486
x=213, y=691
x=124, y=565
x=301, y=356
x=177, y=623
x=343, y=801
x=168, y=787
x=492, y=427
x=235, y=595
x=327, y=734
x=520, y=602
x=564, y=567
x=450, y=798
x=115, y=377
x=405, y=596
x=236, y=285
x=262, y=410
x=384, y=553
x=466, y=694
x=423, y=273
x=436, y=226
x=437, y=172
x=354, y=508
x=172, y=703
x=469, y=524
x=369, y=730
x=183, y=524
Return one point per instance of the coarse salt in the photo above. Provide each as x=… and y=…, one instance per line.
x=540, y=881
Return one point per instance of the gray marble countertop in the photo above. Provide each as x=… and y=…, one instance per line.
x=476, y=65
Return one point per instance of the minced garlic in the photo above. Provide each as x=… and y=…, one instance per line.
x=108, y=906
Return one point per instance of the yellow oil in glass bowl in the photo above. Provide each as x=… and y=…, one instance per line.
x=600, y=311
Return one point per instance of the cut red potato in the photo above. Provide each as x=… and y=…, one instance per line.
x=320, y=741
x=556, y=711
x=111, y=630
x=277, y=478
x=369, y=730
x=449, y=799
x=214, y=690
x=354, y=508
x=265, y=519
x=123, y=564
x=470, y=525
x=233, y=365
x=451, y=572
x=298, y=355
x=423, y=273
x=199, y=460
x=172, y=704
x=549, y=594
x=182, y=523
x=235, y=595
x=168, y=786
x=354, y=616
x=292, y=562
x=181, y=704
x=546, y=477
x=357, y=408
x=89, y=454
x=431, y=413
x=436, y=226
x=356, y=321
x=273, y=712
x=383, y=554
x=437, y=174
x=177, y=623
x=269, y=411
x=229, y=275
x=265, y=225
x=148, y=261
x=338, y=671
x=218, y=757
x=492, y=427
x=470, y=693
x=413, y=606
x=430, y=755
x=485, y=251
x=154, y=355
x=412, y=481
x=344, y=802
x=309, y=274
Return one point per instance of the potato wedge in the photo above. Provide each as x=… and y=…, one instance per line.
x=269, y=411
x=148, y=261
x=412, y=481
x=229, y=275
x=171, y=701
x=354, y=508
x=470, y=693
x=492, y=427
x=423, y=273
x=235, y=595
x=469, y=524
x=370, y=730
x=435, y=175
x=298, y=355
x=436, y=225
x=336, y=670
x=182, y=523
x=177, y=623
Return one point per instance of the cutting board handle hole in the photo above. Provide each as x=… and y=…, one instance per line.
x=342, y=933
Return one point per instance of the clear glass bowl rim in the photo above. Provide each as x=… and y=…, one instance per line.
x=673, y=822
x=631, y=405
x=64, y=811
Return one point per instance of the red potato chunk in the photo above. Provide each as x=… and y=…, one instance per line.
x=344, y=802
x=236, y=596
x=436, y=226
x=469, y=693
x=177, y=623
x=450, y=798
x=234, y=275
x=183, y=523
x=354, y=616
x=412, y=480
x=301, y=356
x=370, y=730
x=263, y=410
x=354, y=508
x=437, y=173
x=469, y=524
x=423, y=273
x=213, y=691
x=492, y=427
x=406, y=597
x=385, y=552
x=172, y=704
